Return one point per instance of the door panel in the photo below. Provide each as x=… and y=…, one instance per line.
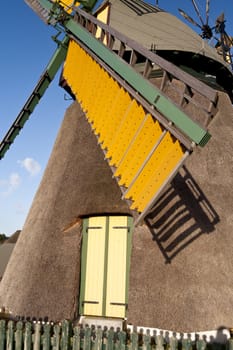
x=94, y=281
x=116, y=268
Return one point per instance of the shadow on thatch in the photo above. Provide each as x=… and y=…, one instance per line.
x=182, y=214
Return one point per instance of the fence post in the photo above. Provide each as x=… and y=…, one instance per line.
x=121, y=345
x=200, y=344
x=87, y=339
x=98, y=339
x=28, y=336
x=229, y=345
x=76, y=338
x=159, y=342
x=65, y=335
x=10, y=336
x=110, y=339
x=146, y=341
x=133, y=341
x=187, y=343
x=46, y=340
x=2, y=334
x=55, y=341
x=36, y=336
x=174, y=343
x=19, y=335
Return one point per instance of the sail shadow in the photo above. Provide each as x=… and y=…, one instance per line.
x=181, y=215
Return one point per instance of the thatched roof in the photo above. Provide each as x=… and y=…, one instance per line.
x=181, y=271
x=42, y=278
x=5, y=253
x=14, y=237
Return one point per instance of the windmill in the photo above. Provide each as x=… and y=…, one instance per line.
x=102, y=40
x=125, y=98
x=218, y=31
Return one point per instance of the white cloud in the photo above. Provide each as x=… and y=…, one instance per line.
x=30, y=165
x=20, y=208
x=10, y=184
x=14, y=180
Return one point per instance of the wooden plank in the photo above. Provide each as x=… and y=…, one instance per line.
x=19, y=336
x=2, y=334
x=116, y=274
x=94, y=279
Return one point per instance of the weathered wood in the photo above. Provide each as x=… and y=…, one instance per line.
x=10, y=336
x=36, y=336
x=159, y=342
x=187, y=343
x=98, y=339
x=76, y=339
x=55, y=341
x=134, y=341
x=110, y=340
x=87, y=339
x=201, y=344
x=19, y=336
x=146, y=341
x=46, y=337
x=27, y=336
x=173, y=342
x=2, y=334
x=65, y=335
x=230, y=344
x=121, y=341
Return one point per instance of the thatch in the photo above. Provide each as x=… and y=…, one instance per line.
x=181, y=276
x=181, y=271
x=5, y=253
x=42, y=278
x=14, y=237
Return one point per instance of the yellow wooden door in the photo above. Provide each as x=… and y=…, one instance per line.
x=105, y=260
x=94, y=266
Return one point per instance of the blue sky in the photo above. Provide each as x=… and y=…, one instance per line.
x=26, y=47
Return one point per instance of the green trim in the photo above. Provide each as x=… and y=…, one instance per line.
x=140, y=84
x=128, y=257
x=105, y=266
x=58, y=58
x=83, y=264
x=46, y=4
